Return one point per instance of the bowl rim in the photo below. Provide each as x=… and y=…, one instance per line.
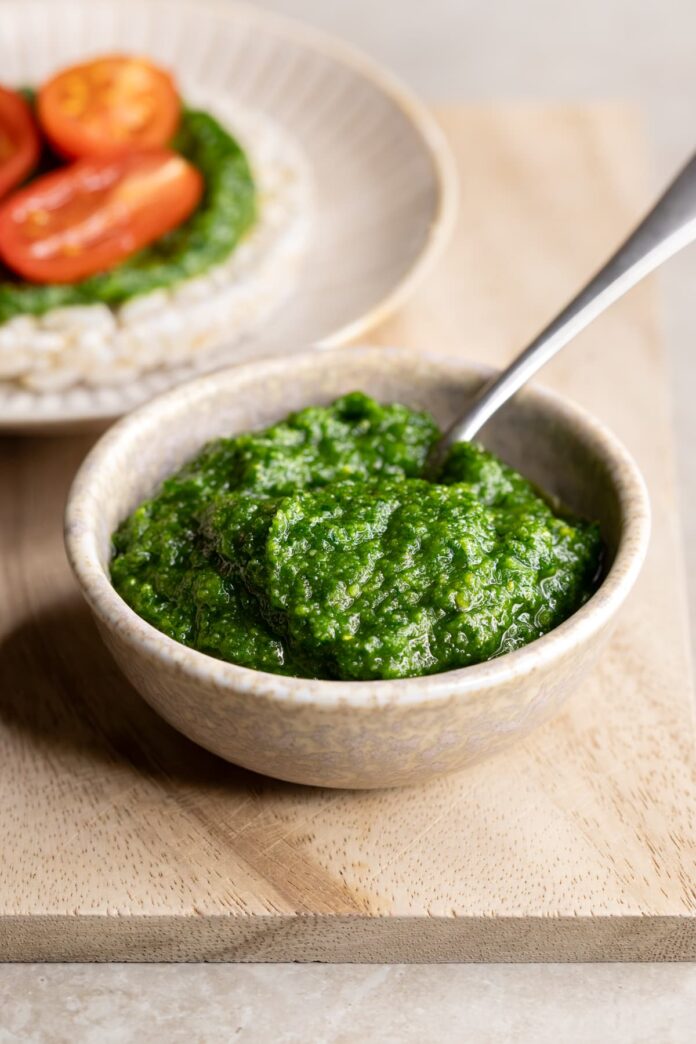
x=231, y=679
x=403, y=97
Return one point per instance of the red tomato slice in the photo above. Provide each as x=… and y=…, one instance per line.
x=87, y=217
x=108, y=106
x=19, y=140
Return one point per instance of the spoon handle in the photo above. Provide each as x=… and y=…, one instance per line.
x=666, y=229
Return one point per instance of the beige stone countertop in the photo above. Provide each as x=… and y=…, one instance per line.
x=348, y=1004
x=447, y=50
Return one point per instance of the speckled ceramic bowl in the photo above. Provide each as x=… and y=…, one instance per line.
x=355, y=734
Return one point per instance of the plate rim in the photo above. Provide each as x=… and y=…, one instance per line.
x=416, y=111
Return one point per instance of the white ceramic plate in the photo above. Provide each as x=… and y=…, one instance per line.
x=383, y=183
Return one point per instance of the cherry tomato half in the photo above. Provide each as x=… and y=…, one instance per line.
x=19, y=140
x=107, y=106
x=88, y=216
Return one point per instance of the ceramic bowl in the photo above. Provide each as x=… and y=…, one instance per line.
x=356, y=734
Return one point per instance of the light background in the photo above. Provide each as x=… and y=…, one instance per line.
x=448, y=50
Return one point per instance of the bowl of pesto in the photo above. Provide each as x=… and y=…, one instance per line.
x=272, y=569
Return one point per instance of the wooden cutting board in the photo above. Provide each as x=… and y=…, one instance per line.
x=123, y=841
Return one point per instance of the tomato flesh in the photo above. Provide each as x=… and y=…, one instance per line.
x=108, y=106
x=19, y=140
x=89, y=216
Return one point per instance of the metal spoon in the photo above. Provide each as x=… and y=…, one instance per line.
x=666, y=229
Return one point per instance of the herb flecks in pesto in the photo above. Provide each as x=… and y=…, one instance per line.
x=226, y=212
x=315, y=548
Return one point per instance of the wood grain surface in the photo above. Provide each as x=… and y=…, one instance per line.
x=122, y=840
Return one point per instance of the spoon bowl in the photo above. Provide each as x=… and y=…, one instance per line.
x=357, y=734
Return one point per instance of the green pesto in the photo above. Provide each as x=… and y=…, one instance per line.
x=226, y=212
x=315, y=548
